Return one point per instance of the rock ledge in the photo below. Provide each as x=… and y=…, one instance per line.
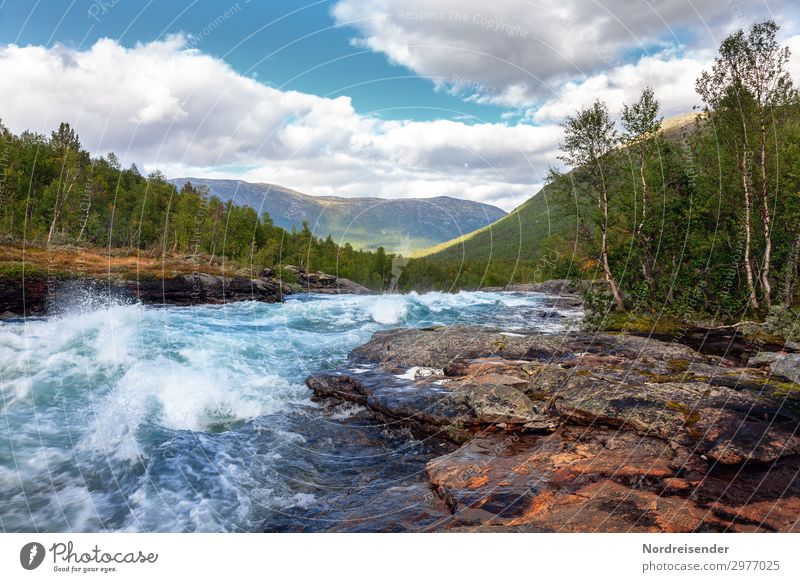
x=586, y=432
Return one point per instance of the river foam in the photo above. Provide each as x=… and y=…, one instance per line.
x=129, y=418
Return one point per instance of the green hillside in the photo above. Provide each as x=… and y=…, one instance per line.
x=522, y=234
x=533, y=227
x=535, y=241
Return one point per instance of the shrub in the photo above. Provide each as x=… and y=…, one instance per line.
x=783, y=322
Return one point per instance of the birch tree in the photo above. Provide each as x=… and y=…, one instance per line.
x=589, y=138
x=642, y=125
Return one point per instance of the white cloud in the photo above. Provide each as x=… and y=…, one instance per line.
x=164, y=105
x=160, y=105
x=521, y=53
x=672, y=80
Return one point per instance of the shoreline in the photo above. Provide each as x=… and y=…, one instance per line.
x=586, y=432
x=562, y=431
x=37, y=296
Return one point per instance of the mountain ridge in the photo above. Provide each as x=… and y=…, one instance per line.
x=404, y=225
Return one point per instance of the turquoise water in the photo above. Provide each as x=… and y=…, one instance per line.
x=132, y=418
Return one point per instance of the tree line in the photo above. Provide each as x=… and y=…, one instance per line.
x=709, y=220
x=54, y=193
x=702, y=218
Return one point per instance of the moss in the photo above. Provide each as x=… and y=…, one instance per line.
x=499, y=344
x=18, y=270
x=631, y=322
x=785, y=389
x=778, y=388
x=457, y=433
x=678, y=364
x=690, y=416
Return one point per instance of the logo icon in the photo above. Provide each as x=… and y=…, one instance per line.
x=31, y=555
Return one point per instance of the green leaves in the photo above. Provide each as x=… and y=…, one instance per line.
x=53, y=193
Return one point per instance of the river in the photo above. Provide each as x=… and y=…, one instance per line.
x=133, y=418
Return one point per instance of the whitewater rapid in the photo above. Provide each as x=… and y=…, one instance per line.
x=133, y=418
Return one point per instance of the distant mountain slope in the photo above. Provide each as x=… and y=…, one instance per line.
x=529, y=229
x=402, y=225
x=521, y=234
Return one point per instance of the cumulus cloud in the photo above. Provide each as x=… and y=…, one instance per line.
x=522, y=53
x=672, y=80
x=164, y=105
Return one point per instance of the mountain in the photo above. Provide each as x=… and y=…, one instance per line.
x=403, y=225
x=536, y=225
x=521, y=234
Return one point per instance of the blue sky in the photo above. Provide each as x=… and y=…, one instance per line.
x=392, y=98
x=289, y=45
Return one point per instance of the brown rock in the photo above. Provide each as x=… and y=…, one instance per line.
x=648, y=435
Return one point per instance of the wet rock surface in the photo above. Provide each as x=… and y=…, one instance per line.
x=38, y=296
x=195, y=289
x=362, y=476
x=585, y=432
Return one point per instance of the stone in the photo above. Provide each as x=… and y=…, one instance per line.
x=787, y=366
x=763, y=359
x=38, y=296
x=500, y=378
x=586, y=432
x=498, y=403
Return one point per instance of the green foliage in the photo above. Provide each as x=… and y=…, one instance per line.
x=287, y=276
x=783, y=322
x=18, y=271
x=676, y=231
x=52, y=192
x=598, y=310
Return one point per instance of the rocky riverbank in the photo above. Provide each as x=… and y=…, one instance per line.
x=38, y=295
x=586, y=432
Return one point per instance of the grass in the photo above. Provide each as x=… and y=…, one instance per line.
x=522, y=234
x=34, y=262
x=631, y=322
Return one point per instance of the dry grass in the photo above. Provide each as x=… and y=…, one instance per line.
x=93, y=262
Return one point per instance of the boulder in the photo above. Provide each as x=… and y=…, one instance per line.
x=330, y=284
x=203, y=288
x=49, y=296
x=499, y=403
x=787, y=366
x=763, y=359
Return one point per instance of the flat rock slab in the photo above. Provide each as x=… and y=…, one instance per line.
x=787, y=366
x=600, y=480
x=587, y=432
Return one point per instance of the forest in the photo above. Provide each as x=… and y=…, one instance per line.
x=55, y=195
x=698, y=220
x=702, y=220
